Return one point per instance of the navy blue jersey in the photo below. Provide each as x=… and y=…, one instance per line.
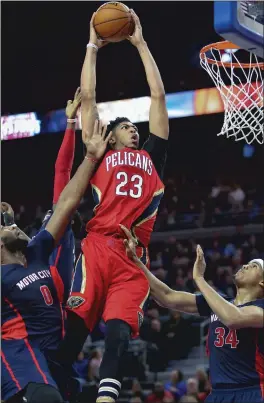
x=62, y=261
x=236, y=356
x=30, y=304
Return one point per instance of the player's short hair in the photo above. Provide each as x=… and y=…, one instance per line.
x=113, y=123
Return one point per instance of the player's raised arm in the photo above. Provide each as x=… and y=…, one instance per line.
x=158, y=116
x=230, y=315
x=164, y=295
x=74, y=191
x=89, y=112
x=64, y=161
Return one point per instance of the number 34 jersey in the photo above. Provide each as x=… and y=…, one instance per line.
x=236, y=356
x=127, y=189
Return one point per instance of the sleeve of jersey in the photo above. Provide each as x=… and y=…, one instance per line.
x=64, y=163
x=259, y=303
x=202, y=305
x=40, y=248
x=157, y=149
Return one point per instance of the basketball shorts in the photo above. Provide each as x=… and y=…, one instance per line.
x=251, y=394
x=21, y=363
x=107, y=284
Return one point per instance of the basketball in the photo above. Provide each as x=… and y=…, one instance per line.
x=113, y=22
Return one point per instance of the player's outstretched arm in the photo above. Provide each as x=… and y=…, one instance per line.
x=74, y=191
x=164, y=295
x=89, y=112
x=229, y=314
x=64, y=161
x=158, y=115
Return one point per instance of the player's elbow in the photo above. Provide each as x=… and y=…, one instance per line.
x=158, y=94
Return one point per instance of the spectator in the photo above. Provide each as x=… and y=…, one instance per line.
x=177, y=335
x=193, y=388
x=188, y=399
x=202, y=379
x=94, y=365
x=137, y=391
x=236, y=198
x=81, y=366
x=159, y=395
x=176, y=386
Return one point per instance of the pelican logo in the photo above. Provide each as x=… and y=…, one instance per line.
x=75, y=302
x=140, y=319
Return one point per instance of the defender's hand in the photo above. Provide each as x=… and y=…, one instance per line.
x=94, y=38
x=130, y=243
x=73, y=106
x=97, y=144
x=137, y=38
x=199, y=265
x=8, y=213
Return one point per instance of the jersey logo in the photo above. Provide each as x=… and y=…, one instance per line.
x=140, y=319
x=75, y=302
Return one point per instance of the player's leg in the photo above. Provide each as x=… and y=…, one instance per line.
x=23, y=364
x=86, y=301
x=251, y=394
x=123, y=315
x=116, y=345
x=36, y=393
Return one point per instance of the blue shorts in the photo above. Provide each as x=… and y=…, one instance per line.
x=243, y=395
x=21, y=363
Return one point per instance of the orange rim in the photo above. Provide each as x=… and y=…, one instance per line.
x=222, y=46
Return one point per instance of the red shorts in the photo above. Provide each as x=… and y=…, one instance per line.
x=107, y=284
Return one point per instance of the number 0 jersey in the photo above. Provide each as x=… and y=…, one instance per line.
x=127, y=189
x=30, y=304
x=236, y=356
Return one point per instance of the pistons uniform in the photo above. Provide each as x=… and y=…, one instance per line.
x=62, y=261
x=31, y=318
x=127, y=189
x=236, y=359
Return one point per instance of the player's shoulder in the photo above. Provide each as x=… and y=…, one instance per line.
x=257, y=302
x=42, y=236
x=40, y=247
x=202, y=305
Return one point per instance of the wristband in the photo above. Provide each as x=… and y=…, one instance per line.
x=8, y=219
x=72, y=120
x=91, y=159
x=92, y=45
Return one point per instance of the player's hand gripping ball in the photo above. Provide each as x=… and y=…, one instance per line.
x=113, y=22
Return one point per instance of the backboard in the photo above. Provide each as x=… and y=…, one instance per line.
x=242, y=23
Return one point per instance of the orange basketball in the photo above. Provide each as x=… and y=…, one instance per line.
x=113, y=22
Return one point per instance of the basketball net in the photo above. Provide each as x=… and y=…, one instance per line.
x=241, y=88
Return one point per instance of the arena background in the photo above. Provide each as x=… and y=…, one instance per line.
x=43, y=48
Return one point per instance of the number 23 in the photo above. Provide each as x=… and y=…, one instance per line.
x=136, y=190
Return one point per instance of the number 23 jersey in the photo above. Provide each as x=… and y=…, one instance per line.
x=127, y=189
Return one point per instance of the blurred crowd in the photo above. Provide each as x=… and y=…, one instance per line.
x=187, y=204
x=193, y=204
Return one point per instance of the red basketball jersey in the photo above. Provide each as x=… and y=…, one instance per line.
x=127, y=190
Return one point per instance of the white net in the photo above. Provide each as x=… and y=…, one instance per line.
x=241, y=87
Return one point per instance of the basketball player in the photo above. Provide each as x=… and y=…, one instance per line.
x=236, y=332
x=63, y=257
x=127, y=188
x=31, y=310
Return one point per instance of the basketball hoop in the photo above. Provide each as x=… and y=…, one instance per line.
x=241, y=88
